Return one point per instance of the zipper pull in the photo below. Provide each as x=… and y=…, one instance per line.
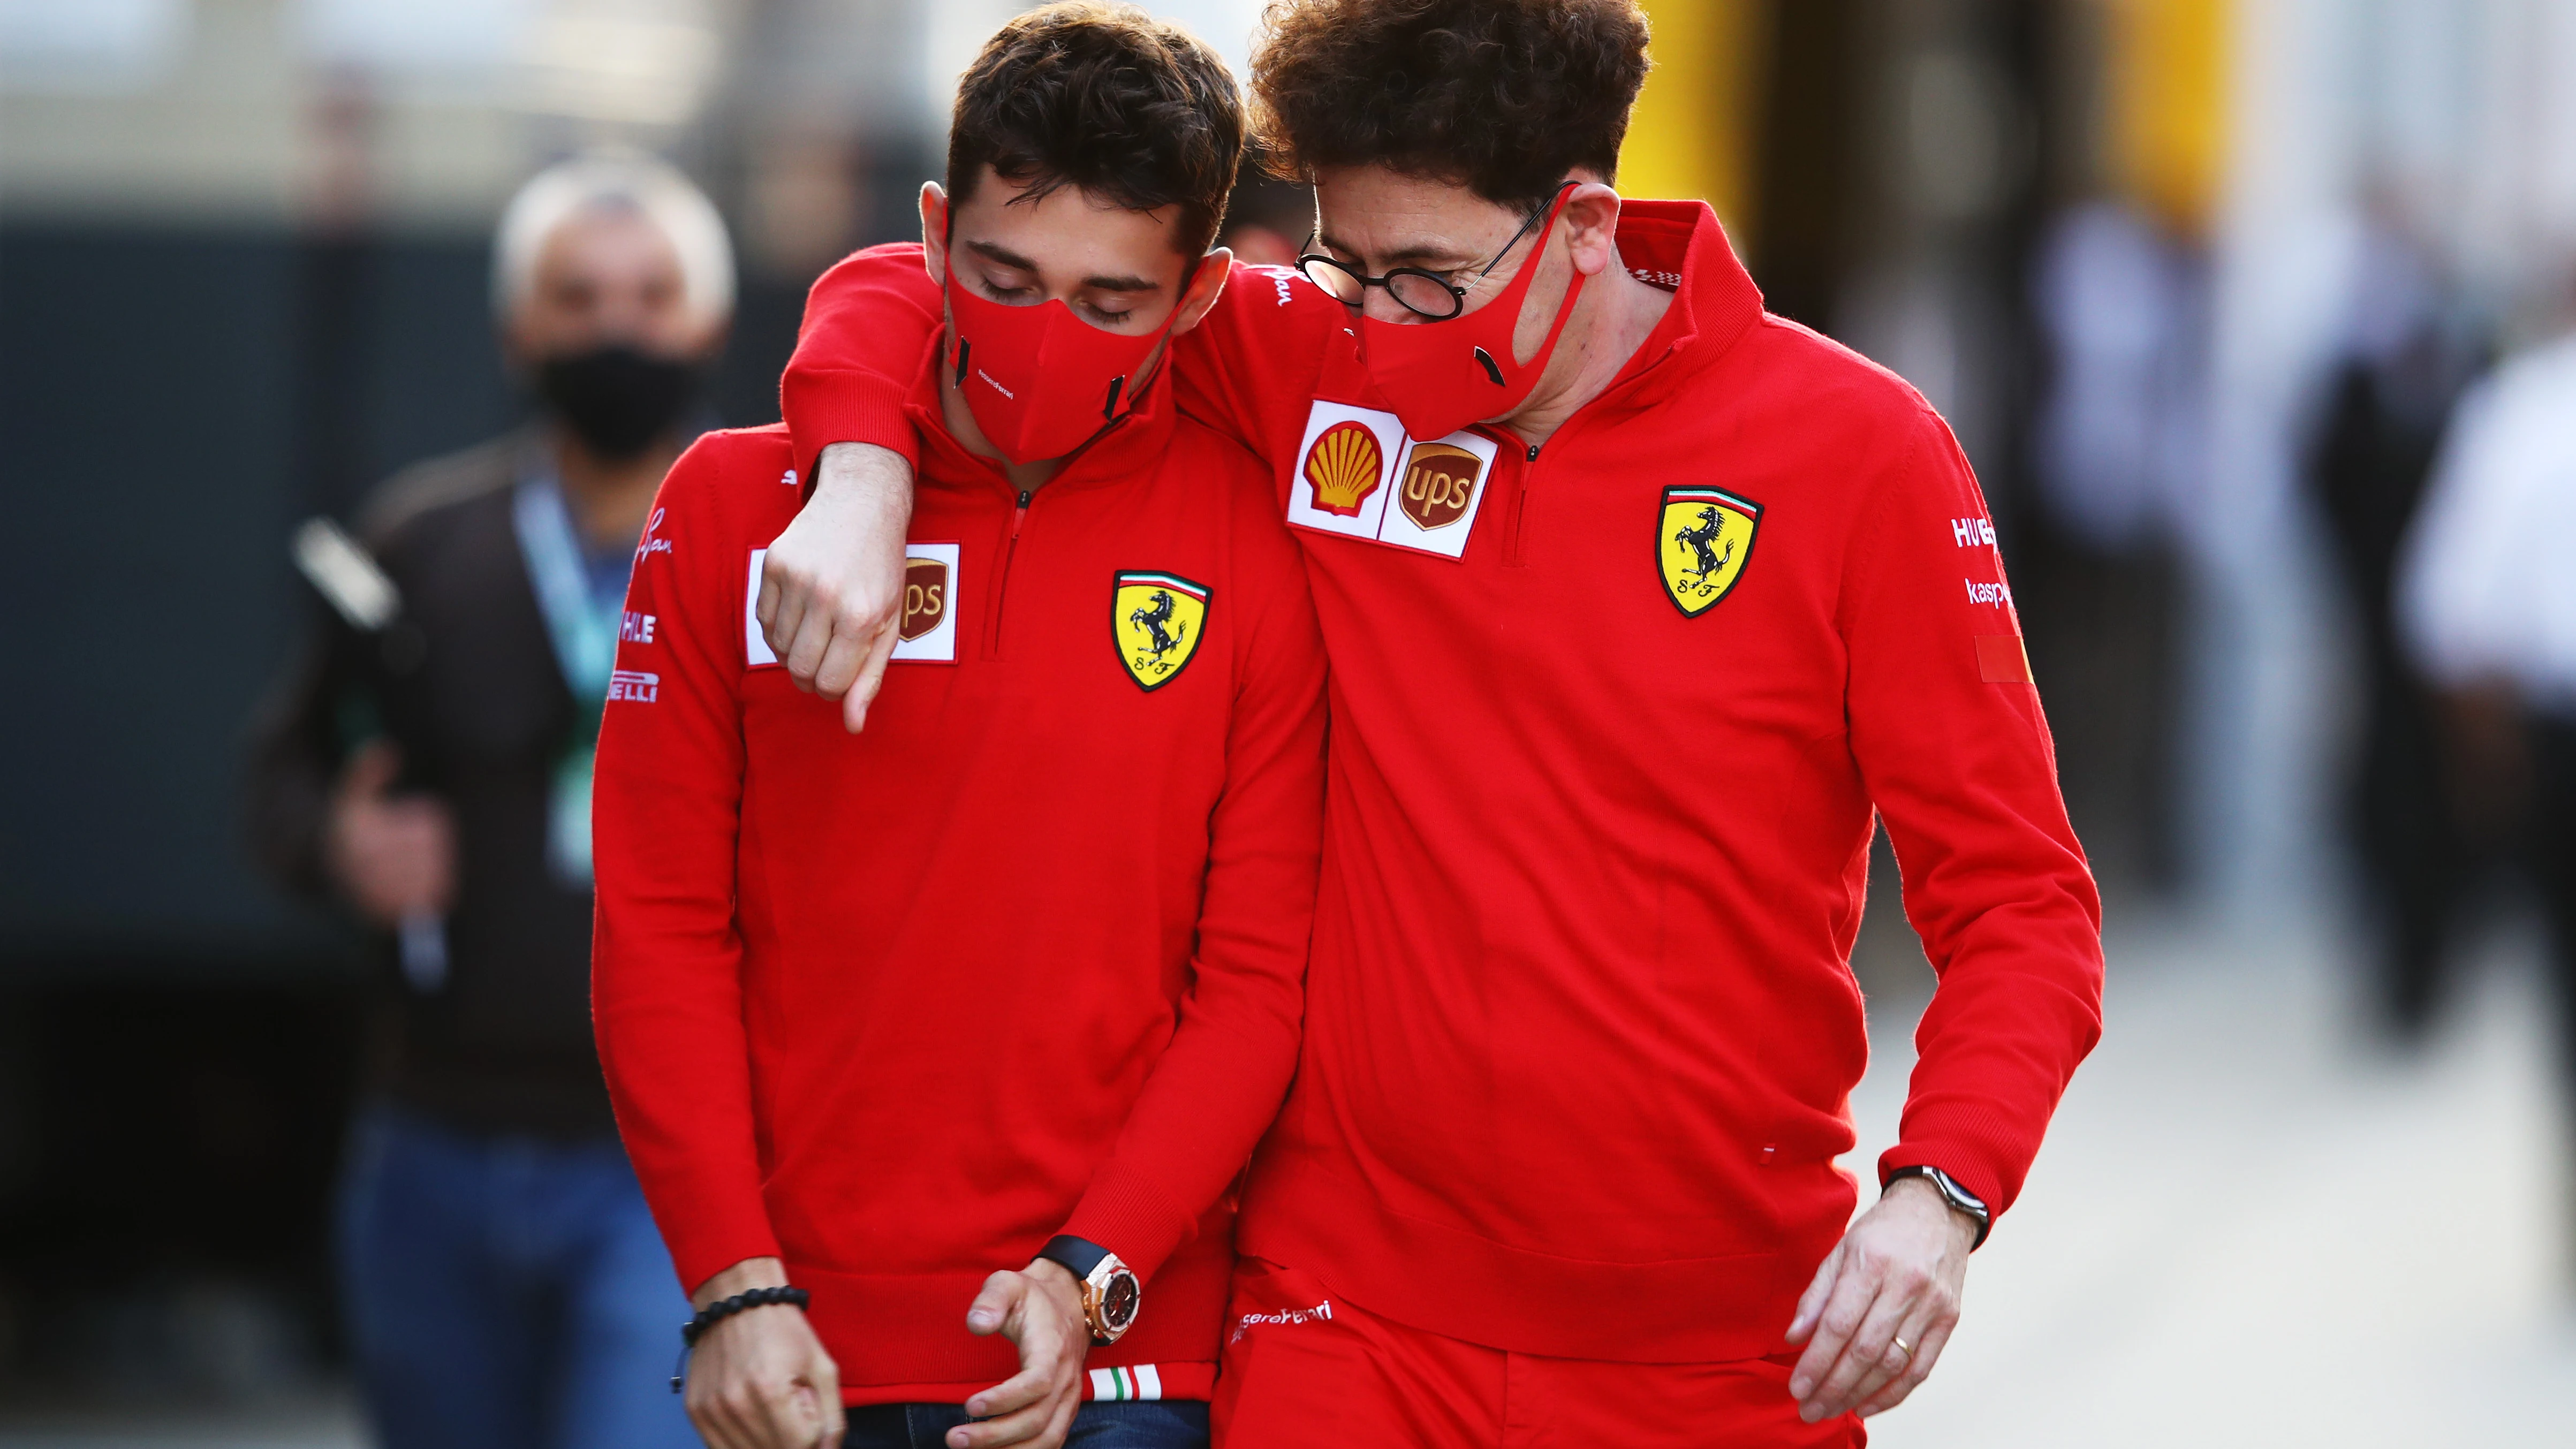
x=1020, y=514
x=1533, y=452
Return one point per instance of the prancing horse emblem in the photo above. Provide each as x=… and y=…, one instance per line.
x=1704, y=538
x=1157, y=620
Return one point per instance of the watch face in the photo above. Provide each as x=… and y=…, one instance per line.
x=1118, y=1302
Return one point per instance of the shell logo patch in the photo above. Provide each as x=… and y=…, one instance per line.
x=1156, y=620
x=1439, y=483
x=1344, y=466
x=1703, y=539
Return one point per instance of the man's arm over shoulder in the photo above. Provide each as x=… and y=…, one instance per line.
x=1249, y=369
x=1221, y=1081
x=1947, y=728
x=666, y=977
x=858, y=352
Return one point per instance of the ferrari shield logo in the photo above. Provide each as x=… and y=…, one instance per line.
x=1157, y=620
x=1703, y=539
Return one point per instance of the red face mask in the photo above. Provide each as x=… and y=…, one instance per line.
x=1039, y=380
x=1441, y=376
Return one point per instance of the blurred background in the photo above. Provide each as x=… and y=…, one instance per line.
x=2200, y=284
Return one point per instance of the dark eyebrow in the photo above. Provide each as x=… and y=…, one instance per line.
x=1421, y=254
x=1008, y=258
x=992, y=253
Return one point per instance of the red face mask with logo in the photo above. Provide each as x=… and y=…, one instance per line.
x=1441, y=376
x=1040, y=381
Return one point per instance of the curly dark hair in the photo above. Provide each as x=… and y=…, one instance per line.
x=1108, y=100
x=1504, y=96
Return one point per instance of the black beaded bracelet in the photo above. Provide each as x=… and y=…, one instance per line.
x=720, y=1310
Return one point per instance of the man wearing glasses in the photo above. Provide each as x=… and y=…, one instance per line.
x=1641, y=605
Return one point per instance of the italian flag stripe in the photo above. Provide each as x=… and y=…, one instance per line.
x=1120, y=1384
x=1170, y=581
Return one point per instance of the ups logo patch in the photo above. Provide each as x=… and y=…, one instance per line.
x=1703, y=539
x=1439, y=483
x=1157, y=621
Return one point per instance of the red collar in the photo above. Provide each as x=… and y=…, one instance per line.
x=1679, y=245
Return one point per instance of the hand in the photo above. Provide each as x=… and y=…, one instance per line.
x=1896, y=1274
x=1040, y=1309
x=831, y=589
x=394, y=855
x=760, y=1379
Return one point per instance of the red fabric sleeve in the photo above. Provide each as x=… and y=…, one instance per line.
x=666, y=960
x=1250, y=367
x=1948, y=733
x=1221, y=1081
x=1247, y=370
x=858, y=353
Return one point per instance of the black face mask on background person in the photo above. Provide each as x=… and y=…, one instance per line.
x=617, y=399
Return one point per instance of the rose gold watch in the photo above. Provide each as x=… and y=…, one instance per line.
x=1110, y=1293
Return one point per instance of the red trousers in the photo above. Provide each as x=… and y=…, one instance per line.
x=1304, y=1369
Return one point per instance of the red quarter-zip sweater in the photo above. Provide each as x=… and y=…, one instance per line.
x=1611, y=719
x=1024, y=958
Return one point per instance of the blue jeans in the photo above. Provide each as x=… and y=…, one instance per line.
x=1154, y=1424
x=506, y=1292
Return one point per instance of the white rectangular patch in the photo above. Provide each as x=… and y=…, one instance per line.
x=1342, y=469
x=1439, y=487
x=927, y=598
x=1359, y=476
x=755, y=645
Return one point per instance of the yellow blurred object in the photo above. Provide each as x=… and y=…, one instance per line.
x=1693, y=131
x=2167, y=72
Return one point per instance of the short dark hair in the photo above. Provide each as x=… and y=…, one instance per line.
x=1108, y=100
x=1502, y=96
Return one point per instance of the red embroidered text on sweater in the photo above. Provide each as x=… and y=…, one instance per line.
x=1024, y=957
x=1610, y=722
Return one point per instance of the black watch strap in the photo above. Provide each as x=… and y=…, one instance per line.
x=1959, y=1198
x=1078, y=1255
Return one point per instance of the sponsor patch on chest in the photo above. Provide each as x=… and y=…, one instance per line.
x=1703, y=540
x=928, y=632
x=1359, y=476
x=1156, y=619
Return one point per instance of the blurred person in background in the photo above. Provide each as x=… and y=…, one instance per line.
x=503, y=1279
x=2403, y=365
x=2486, y=597
x=2117, y=450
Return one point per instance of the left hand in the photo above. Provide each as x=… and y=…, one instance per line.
x=1895, y=1275
x=1040, y=1309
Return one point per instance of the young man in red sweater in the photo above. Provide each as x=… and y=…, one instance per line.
x=964, y=1029
x=1641, y=604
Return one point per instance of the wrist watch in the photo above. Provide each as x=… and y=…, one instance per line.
x=1110, y=1292
x=1959, y=1198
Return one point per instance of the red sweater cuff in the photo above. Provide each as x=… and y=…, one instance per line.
x=824, y=406
x=713, y=1239
x=1132, y=1218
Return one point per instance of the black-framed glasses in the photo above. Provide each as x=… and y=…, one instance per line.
x=1432, y=296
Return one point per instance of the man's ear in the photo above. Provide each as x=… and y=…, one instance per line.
x=934, y=232
x=1206, y=285
x=1591, y=223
